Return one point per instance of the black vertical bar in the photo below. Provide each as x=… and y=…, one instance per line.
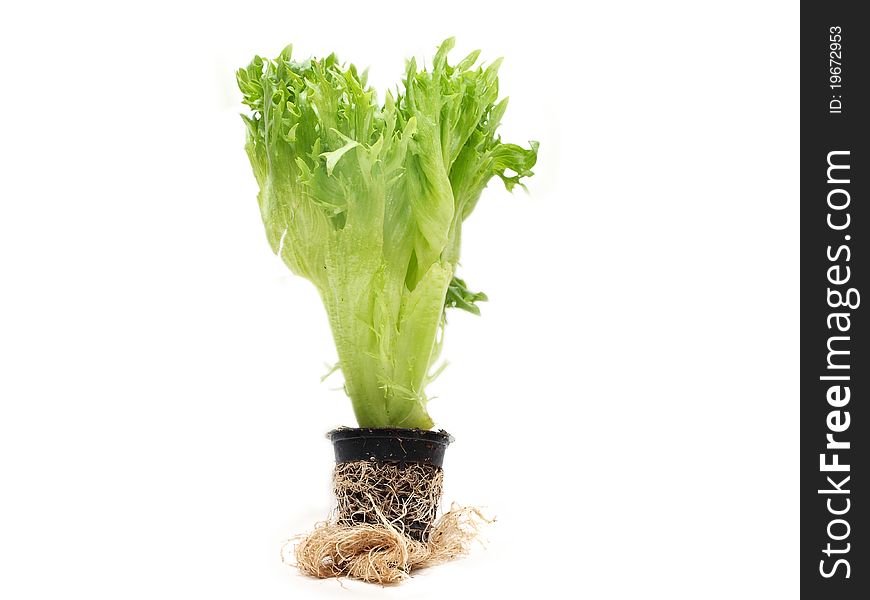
x=835, y=370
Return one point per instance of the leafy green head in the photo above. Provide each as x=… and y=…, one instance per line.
x=367, y=200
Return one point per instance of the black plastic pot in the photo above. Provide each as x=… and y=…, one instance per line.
x=414, y=451
x=402, y=446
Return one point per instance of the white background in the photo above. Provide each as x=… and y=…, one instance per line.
x=627, y=405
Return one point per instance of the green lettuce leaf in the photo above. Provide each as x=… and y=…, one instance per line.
x=367, y=200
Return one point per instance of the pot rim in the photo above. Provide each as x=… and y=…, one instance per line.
x=346, y=433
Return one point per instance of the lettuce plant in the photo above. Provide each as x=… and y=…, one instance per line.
x=367, y=201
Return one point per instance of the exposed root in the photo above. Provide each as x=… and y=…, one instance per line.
x=406, y=497
x=381, y=553
x=383, y=525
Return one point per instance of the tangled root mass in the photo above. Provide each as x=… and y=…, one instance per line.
x=384, y=525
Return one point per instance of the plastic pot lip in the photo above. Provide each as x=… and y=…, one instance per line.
x=346, y=433
x=389, y=445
